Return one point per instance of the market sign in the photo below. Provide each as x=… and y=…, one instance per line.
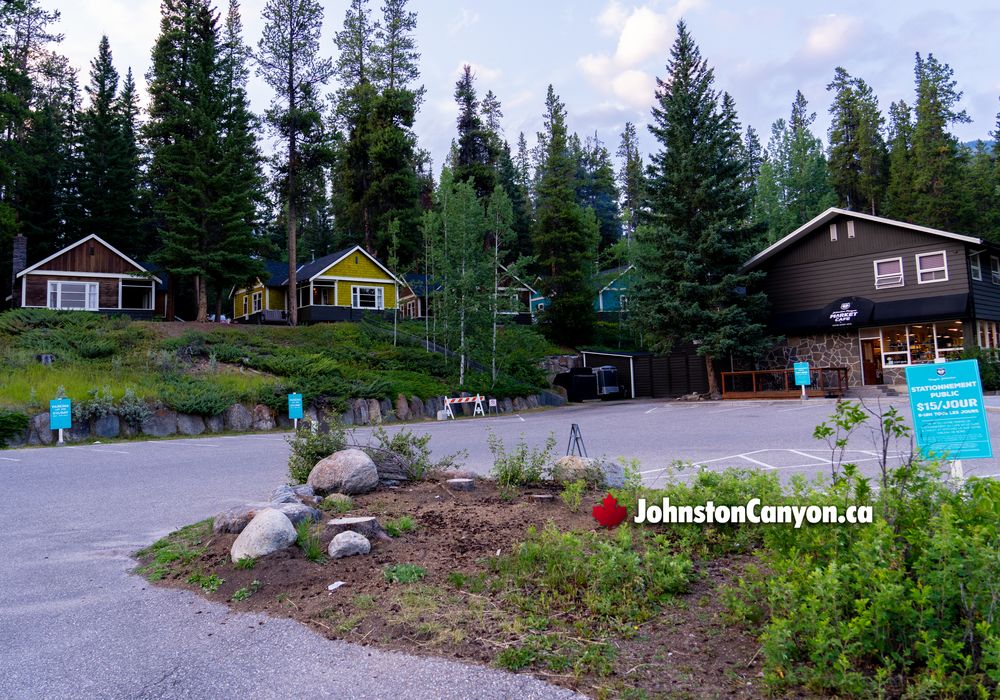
x=848, y=312
x=949, y=414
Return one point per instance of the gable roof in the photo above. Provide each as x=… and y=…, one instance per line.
x=274, y=272
x=317, y=267
x=518, y=279
x=834, y=212
x=613, y=275
x=420, y=284
x=91, y=237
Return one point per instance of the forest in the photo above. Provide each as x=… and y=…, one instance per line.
x=206, y=190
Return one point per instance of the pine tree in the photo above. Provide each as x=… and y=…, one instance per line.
x=565, y=236
x=694, y=239
x=474, y=162
x=900, y=195
x=858, y=158
x=598, y=190
x=631, y=179
x=288, y=60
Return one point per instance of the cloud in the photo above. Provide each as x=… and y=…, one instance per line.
x=831, y=35
x=466, y=19
x=643, y=33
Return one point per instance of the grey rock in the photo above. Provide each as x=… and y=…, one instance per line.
x=348, y=416
x=107, y=426
x=416, y=408
x=78, y=433
x=298, y=512
x=348, y=544
x=285, y=422
x=508, y=405
x=236, y=519
x=269, y=531
x=263, y=419
x=551, y=398
x=572, y=468
x=533, y=401
x=402, y=408
x=374, y=412
x=38, y=430
x=188, y=424
x=360, y=412
x=160, y=423
x=238, y=417
x=388, y=411
x=367, y=526
x=292, y=494
x=128, y=430
x=519, y=404
x=215, y=424
x=348, y=471
x=614, y=474
x=20, y=439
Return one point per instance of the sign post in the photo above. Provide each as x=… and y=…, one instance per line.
x=802, y=377
x=295, y=408
x=949, y=414
x=60, y=416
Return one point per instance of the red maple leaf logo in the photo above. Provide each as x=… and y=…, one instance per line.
x=609, y=513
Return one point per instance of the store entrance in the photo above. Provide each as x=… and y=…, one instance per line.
x=871, y=361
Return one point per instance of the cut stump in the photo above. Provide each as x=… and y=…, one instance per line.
x=461, y=484
x=369, y=527
x=542, y=499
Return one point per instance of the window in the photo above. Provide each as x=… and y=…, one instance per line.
x=995, y=269
x=73, y=295
x=932, y=267
x=367, y=297
x=325, y=295
x=888, y=273
x=976, y=267
x=136, y=294
x=833, y=232
x=850, y=229
x=258, y=300
x=921, y=343
x=245, y=305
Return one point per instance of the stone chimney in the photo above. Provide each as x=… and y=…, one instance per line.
x=19, y=259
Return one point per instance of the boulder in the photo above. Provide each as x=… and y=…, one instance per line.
x=188, y=424
x=572, y=468
x=431, y=407
x=552, y=398
x=369, y=527
x=107, y=426
x=388, y=411
x=284, y=422
x=236, y=519
x=360, y=412
x=293, y=494
x=78, y=433
x=402, y=408
x=508, y=405
x=348, y=544
x=128, y=429
x=263, y=419
x=160, y=423
x=269, y=531
x=519, y=404
x=215, y=424
x=38, y=430
x=416, y=408
x=298, y=512
x=533, y=401
x=392, y=468
x=614, y=474
x=374, y=412
x=238, y=417
x=348, y=471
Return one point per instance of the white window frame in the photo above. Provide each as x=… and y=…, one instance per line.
x=246, y=305
x=995, y=269
x=92, y=295
x=921, y=272
x=890, y=280
x=356, y=297
x=257, y=299
x=833, y=232
x=976, y=267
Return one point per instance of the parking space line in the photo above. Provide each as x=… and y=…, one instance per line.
x=797, y=408
x=803, y=454
x=757, y=462
x=94, y=448
x=651, y=410
x=9, y=459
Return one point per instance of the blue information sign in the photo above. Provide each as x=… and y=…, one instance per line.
x=949, y=415
x=802, y=374
x=60, y=414
x=295, y=406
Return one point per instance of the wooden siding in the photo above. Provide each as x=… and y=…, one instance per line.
x=344, y=292
x=275, y=299
x=91, y=256
x=817, y=271
x=357, y=265
x=985, y=294
x=37, y=289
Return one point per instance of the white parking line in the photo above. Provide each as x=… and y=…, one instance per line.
x=757, y=462
x=803, y=454
x=94, y=448
x=9, y=459
x=651, y=410
x=798, y=408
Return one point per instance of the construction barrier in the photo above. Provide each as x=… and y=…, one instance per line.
x=477, y=399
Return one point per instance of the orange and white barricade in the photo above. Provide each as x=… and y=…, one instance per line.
x=477, y=399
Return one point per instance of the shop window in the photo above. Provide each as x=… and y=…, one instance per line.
x=895, y=346
x=932, y=267
x=888, y=273
x=976, y=267
x=950, y=338
x=921, y=337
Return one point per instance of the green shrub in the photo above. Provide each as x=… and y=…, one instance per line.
x=132, y=409
x=412, y=452
x=309, y=447
x=99, y=403
x=308, y=540
x=403, y=573
x=199, y=397
x=572, y=494
x=13, y=424
x=523, y=466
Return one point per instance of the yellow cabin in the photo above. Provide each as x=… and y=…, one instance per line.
x=342, y=286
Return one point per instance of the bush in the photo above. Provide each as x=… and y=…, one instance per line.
x=199, y=397
x=411, y=452
x=132, y=409
x=989, y=368
x=13, y=424
x=99, y=403
x=309, y=447
x=523, y=466
x=403, y=573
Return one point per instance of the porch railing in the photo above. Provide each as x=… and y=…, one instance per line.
x=780, y=383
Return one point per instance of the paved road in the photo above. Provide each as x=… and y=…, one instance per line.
x=74, y=623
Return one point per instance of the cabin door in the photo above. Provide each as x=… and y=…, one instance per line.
x=871, y=361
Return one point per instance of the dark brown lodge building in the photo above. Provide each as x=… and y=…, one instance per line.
x=876, y=295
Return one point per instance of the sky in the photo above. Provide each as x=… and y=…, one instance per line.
x=603, y=56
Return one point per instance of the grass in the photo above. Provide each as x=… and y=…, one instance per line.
x=337, y=505
x=246, y=563
x=400, y=525
x=308, y=540
x=247, y=591
x=404, y=573
x=183, y=546
x=209, y=583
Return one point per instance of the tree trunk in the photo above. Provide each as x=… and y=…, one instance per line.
x=218, y=308
x=293, y=292
x=199, y=286
x=713, y=386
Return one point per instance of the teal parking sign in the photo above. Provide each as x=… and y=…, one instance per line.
x=802, y=374
x=60, y=414
x=949, y=415
x=295, y=406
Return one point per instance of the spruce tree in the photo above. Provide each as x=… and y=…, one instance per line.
x=289, y=61
x=475, y=161
x=565, y=236
x=694, y=238
x=900, y=195
x=631, y=179
x=858, y=157
x=598, y=190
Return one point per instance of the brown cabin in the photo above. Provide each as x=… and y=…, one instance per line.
x=89, y=275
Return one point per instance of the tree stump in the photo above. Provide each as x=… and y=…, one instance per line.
x=542, y=499
x=460, y=484
x=369, y=527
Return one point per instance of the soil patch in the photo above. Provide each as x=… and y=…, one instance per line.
x=459, y=610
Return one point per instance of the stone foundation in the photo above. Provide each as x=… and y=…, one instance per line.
x=826, y=350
